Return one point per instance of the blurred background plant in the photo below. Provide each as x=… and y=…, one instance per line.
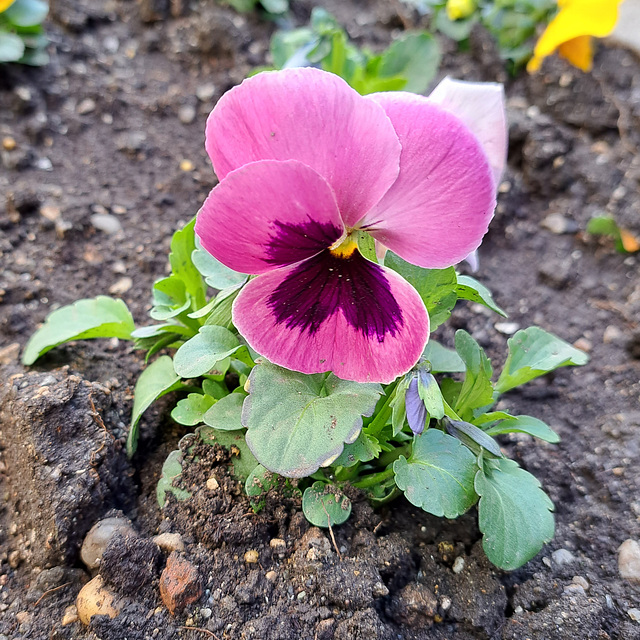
x=21, y=35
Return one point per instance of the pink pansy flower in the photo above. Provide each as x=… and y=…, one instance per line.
x=304, y=161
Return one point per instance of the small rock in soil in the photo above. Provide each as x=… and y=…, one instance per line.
x=99, y=536
x=95, y=599
x=634, y=614
x=205, y=92
x=70, y=615
x=180, y=583
x=414, y=606
x=106, y=222
x=86, y=106
x=563, y=557
x=187, y=114
x=629, y=561
x=169, y=542
x=558, y=224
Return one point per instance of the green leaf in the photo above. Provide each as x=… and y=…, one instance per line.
x=100, y=317
x=190, y=410
x=399, y=405
x=242, y=459
x=364, y=448
x=469, y=435
x=198, y=355
x=27, y=13
x=297, y=422
x=533, y=352
x=216, y=275
x=154, y=330
x=470, y=289
x=477, y=390
x=455, y=29
x=170, y=298
x=439, y=475
x=258, y=484
x=430, y=394
x=171, y=469
x=284, y=44
x=214, y=389
x=436, y=287
x=514, y=514
x=325, y=505
x=226, y=413
x=155, y=381
x=275, y=6
x=183, y=245
x=414, y=56
x=525, y=424
x=221, y=312
x=442, y=360
x=11, y=47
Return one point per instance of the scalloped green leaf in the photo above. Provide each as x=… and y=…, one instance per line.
x=226, y=413
x=533, y=352
x=216, y=275
x=11, y=47
x=190, y=410
x=199, y=355
x=100, y=317
x=514, y=514
x=325, y=505
x=439, y=475
x=364, y=448
x=297, y=422
x=258, y=484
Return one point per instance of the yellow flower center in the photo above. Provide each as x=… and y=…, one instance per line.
x=344, y=247
x=459, y=9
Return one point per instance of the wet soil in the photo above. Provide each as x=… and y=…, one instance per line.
x=109, y=161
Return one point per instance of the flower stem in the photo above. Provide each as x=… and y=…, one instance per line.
x=372, y=480
x=380, y=420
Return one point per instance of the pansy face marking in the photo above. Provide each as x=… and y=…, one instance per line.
x=304, y=162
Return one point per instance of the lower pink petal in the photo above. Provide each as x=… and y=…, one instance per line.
x=439, y=208
x=268, y=214
x=480, y=105
x=346, y=315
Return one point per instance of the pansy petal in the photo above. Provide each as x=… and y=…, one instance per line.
x=329, y=313
x=314, y=117
x=480, y=105
x=269, y=214
x=439, y=208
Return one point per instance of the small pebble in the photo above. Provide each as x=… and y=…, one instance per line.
x=507, y=328
x=187, y=114
x=612, y=334
x=99, y=536
x=574, y=589
x=22, y=617
x=70, y=615
x=169, y=542
x=251, y=557
x=186, y=165
x=278, y=543
x=558, y=224
x=271, y=576
x=49, y=212
x=634, y=614
x=118, y=209
x=206, y=612
x=583, y=344
x=8, y=143
x=86, y=106
x=180, y=583
x=121, y=286
x=458, y=565
x=213, y=484
x=301, y=596
x=629, y=561
x=106, y=222
x=562, y=557
x=95, y=599
x=581, y=581
x=205, y=92
x=445, y=603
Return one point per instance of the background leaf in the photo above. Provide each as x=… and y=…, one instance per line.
x=190, y=410
x=442, y=360
x=155, y=381
x=27, y=13
x=100, y=317
x=515, y=514
x=171, y=469
x=298, y=422
x=533, y=352
x=525, y=424
x=325, y=505
x=198, y=355
x=439, y=475
x=469, y=288
x=477, y=390
x=217, y=275
x=226, y=413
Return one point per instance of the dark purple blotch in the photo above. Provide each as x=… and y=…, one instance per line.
x=295, y=242
x=326, y=284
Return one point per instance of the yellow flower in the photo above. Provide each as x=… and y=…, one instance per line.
x=459, y=9
x=5, y=4
x=571, y=31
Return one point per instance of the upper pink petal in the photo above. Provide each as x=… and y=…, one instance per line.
x=439, y=208
x=480, y=105
x=267, y=214
x=315, y=117
x=349, y=316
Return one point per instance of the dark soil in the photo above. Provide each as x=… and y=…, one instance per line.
x=103, y=129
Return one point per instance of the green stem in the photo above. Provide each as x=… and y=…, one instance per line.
x=449, y=411
x=388, y=457
x=372, y=480
x=380, y=420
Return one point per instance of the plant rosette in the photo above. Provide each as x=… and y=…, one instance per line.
x=330, y=244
